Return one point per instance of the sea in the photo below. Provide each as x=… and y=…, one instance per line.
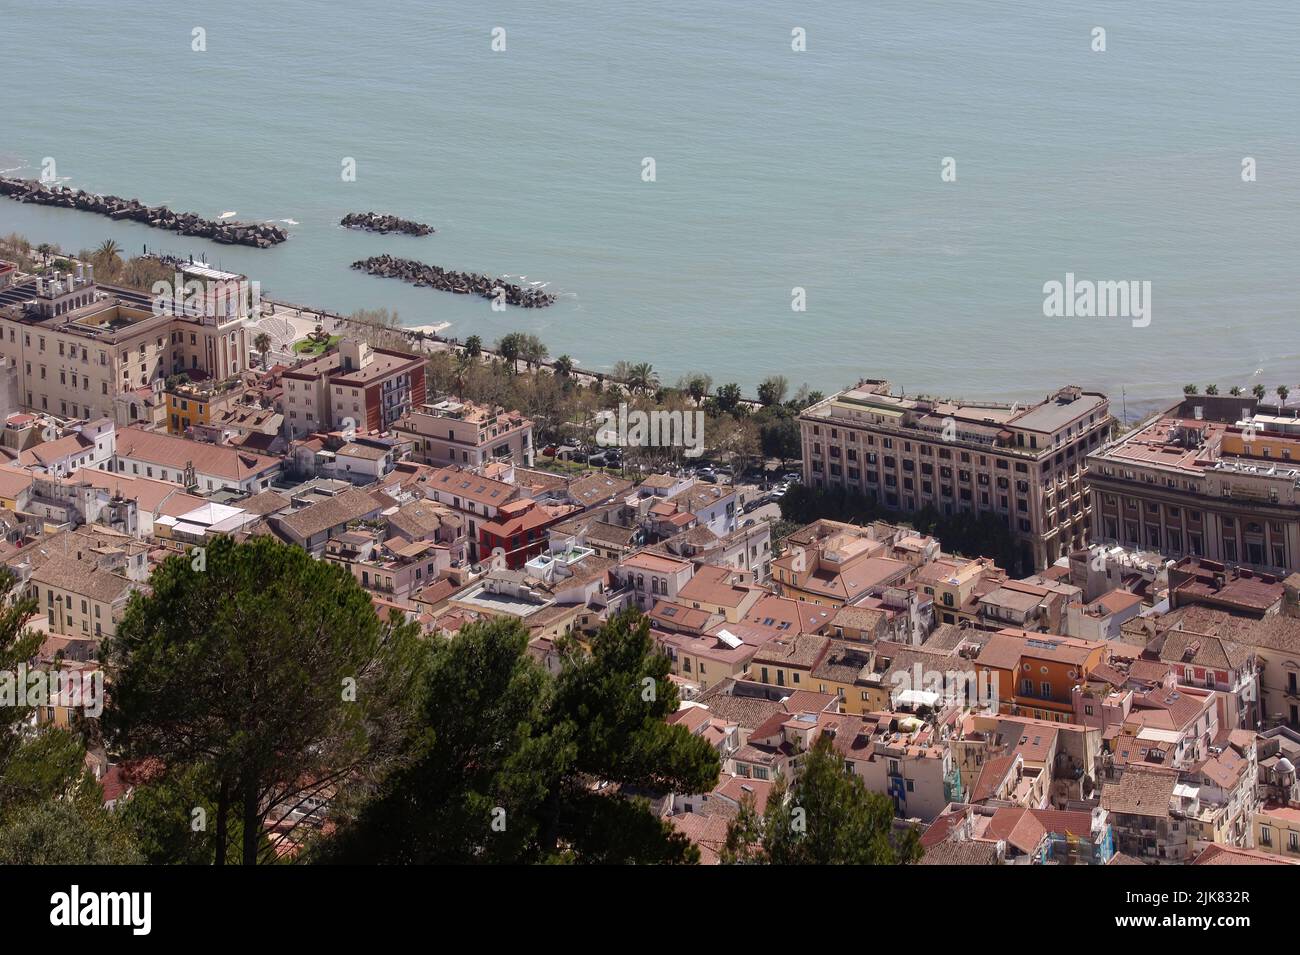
x=826, y=191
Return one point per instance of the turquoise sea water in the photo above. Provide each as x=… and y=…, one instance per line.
x=775, y=169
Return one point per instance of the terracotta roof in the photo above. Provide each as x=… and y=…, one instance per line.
x=597, y=488
x=265, y=502
x=1203, y=650
x=707, y=832
x=968, y=852
x=715, y=585
x=472, y=487
x=51, y=452
x=353, y=504
x=795, y=650
x=1230, y=855
x=1140, y=792
x=165, y=450
x=80, y=577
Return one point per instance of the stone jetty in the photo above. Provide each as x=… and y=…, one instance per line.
x=382, y=222
x=461, y=283
x=257, y=235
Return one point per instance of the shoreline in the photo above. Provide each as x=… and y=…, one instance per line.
x=1139, y=407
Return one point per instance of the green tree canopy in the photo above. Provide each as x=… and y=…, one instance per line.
x=521, y=766
x=825, y=817
x=67, y=832
x=268, y=668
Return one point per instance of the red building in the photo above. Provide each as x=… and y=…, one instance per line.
x=519, y=529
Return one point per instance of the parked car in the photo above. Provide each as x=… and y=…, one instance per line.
x=707, y=474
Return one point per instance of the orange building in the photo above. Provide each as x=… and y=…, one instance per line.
x=1033, y=673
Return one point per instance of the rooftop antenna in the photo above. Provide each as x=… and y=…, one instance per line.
x=1124, y=404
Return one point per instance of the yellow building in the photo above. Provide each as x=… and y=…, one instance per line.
x=788, y=661
x=185, y=409
x=840, y=673
x=953, y=582
x=1277, y=830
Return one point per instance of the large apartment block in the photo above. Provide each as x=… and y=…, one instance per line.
x=355, y=386
x=1211, y=476
x=81, y=350
x=1024, y=463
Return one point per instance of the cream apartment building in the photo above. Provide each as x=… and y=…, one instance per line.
x=1023, y=463
x=77, y=346
x=466, y=434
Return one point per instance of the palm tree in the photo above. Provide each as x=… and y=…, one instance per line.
x=533, y=351
x=1235, y=391
x=697, y=385
x=109, y=250
x=263, y=344
x=463, y=364
x=1283, y=392
x=508, y=348
x=473, y=346
x=1258, y=392
x=1190, y=389
x=1211, y=389
x=45, y=250
x=563, y=366
x=642, y=377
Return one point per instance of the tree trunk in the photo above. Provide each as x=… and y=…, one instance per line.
x=223, y=810
x=252, y=826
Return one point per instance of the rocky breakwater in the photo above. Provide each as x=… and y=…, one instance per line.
x=257, y=235
x=461, y=283
x=382, y=222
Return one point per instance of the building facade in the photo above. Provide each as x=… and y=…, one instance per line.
x=355, y=388
x=466, y=434
x=1023, y=464
x=1211, y=476
x=77, y=346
